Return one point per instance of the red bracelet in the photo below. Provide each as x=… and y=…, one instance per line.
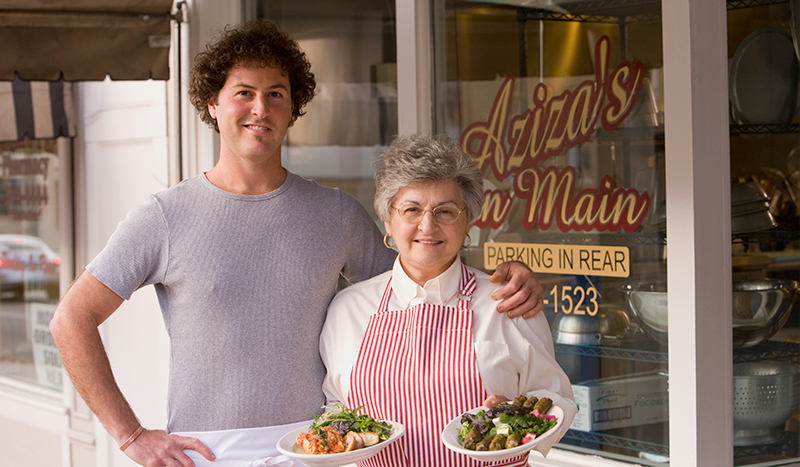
x=131, y=438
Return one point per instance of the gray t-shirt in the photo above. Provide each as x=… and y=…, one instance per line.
x=244, y=283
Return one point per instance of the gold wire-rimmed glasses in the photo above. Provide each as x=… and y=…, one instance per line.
x=445, y=214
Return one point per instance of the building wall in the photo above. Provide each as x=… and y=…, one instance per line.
x=122, y=158
x=32, y=423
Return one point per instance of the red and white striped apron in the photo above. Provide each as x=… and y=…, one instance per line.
x=418, y=367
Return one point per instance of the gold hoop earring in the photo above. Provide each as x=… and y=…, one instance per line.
x=469, y=242
x=385, y=242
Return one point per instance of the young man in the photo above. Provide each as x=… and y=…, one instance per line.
x=245, y=260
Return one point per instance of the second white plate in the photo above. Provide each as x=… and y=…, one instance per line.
x=450, y=439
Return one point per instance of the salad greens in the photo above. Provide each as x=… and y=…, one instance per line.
x=343, y=420
x=507, y=425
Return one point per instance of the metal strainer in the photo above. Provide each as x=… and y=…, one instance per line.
x=765, y=394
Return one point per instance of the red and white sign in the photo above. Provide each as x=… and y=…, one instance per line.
x=518, y=145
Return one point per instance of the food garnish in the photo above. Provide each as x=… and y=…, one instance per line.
x=326, y=440
x=508, y=425
x=343, y=430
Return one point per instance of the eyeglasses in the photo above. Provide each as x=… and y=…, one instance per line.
x=442, y=214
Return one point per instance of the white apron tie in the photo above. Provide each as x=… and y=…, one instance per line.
x=243, y=447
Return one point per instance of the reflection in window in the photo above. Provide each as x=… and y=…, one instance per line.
x=29, y=261
x=353, y=116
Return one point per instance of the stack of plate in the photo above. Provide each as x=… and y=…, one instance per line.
x=763, y=78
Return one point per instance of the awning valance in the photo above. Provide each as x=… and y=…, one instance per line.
x=35, y=109
x=80, y=40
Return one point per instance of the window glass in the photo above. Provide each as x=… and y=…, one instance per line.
x=563, y=110
x=29, y=260
x=765, y=224
x=351, y=47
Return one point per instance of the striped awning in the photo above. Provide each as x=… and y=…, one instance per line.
x=46, y=44
x=35, y=110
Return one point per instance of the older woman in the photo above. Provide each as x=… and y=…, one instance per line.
x=423, y=343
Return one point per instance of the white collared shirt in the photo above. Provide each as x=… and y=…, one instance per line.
x=441, y=290
x=514, y=355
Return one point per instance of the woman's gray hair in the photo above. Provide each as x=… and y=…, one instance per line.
x=426, y=158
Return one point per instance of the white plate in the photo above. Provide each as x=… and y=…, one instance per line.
x=450, y=439
x=287, y=445
x=764, y=78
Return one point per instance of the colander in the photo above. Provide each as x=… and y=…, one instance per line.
x=765, y=394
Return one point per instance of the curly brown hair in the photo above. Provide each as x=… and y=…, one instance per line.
x=254, y=42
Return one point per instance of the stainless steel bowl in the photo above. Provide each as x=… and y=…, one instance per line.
x=760, y=309
x=648, y=302
x=765, y=394
x=610, y=324
x=748, y=192
x=749, y=208
x=752, y=222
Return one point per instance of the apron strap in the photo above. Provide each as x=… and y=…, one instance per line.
x=467, y=283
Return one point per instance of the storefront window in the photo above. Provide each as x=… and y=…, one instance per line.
x=29, y=260
x=765, y=223
x=563, y=109
x=351, y=46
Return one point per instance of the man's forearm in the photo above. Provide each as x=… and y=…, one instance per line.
x=87, y=365
x=75, y=331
